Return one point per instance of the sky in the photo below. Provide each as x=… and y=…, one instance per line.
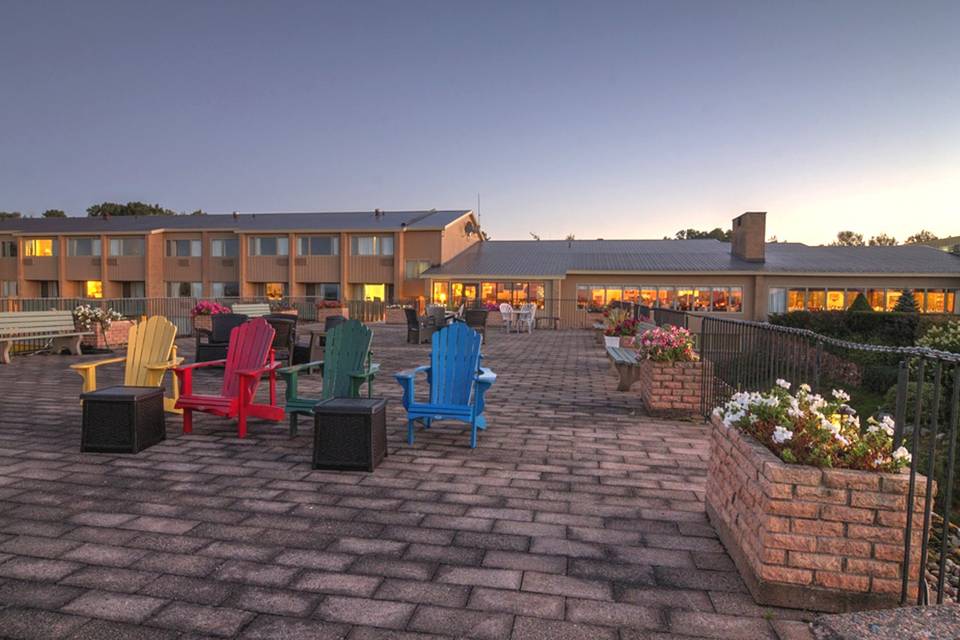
x=602, y=119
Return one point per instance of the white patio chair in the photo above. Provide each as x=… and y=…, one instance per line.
x=506, y=311
x=526, y=317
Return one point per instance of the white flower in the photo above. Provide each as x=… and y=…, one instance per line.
x=842, y=440
x=781, y=434
x=888, y=425
x=902, y=454
x=783, y=384
x=841, y=395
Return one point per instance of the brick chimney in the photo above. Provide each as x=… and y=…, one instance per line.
x=749, y=236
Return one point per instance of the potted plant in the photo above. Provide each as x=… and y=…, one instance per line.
x=617, y=323
x=671, y=372
x=107, y=326
x=203, y=310
x=284, y=307
x=327, y=308
x=810, y=503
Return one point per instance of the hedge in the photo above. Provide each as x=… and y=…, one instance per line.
x=869, y=327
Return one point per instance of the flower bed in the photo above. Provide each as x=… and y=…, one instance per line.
x=827, y=535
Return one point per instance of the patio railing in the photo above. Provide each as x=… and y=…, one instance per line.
x=919, y=387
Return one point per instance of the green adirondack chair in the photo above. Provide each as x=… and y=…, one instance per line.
x=346, y=365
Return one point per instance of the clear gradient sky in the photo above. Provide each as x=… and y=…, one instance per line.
x=602, y=119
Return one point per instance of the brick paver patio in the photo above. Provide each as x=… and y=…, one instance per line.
x=574, y=519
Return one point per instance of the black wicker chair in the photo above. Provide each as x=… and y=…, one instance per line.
x=309, y=352
x=285, y=337
x=212, y=343
x=419, y=328
x=476, y=319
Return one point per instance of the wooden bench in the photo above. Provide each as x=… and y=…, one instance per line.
x=627, y=364
x=55, y=326
x=254, y=310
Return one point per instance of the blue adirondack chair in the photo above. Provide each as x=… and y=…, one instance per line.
x=457, y=382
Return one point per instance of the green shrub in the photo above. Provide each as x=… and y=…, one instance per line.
x=945, y=337
x=860, y=304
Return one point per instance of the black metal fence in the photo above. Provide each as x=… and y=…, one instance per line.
x=663, y=317
x=919, y=387
x=177, y=310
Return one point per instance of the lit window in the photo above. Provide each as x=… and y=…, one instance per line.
x=40, y=247
x=375, y=292
x=93, y=289
x=735, y=304
x=893, y=296
x=666, y=297
x=936, y=301
x=850, y=296
x=721, y=299
x=796, y=299
x=440, y=292
x=835, y=300
x=816, y=299
x=702, y=300
x=274, y=290
x=875, y=298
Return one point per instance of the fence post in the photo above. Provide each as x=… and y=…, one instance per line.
x=900, y=415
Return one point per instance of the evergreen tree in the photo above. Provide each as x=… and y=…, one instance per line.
x=860, y=304
x=907, y=303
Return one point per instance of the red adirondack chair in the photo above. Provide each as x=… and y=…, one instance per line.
x=249, y=356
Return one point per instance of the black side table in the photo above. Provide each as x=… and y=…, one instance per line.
x=350, y=433
x=122, y=419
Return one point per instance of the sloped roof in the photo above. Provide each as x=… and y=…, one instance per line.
x=557, y=258
x=266, y=222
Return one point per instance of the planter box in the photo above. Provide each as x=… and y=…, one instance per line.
x=395, y=316
x=202, y=322
x=325, y=312
x=671, y=389
x=807, y=538
x=116, y=335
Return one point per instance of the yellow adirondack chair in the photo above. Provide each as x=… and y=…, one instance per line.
x=150, y=352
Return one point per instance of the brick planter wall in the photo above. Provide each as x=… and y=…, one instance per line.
x=395, y=315
x=325, y=312
x=116, y=335
x=808, y=538
x=202, y=322
x=670, y=389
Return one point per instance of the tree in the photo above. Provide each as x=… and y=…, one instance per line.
x=534, y=236
x=199, y=212
x=848, y=239
x=6, y=215
x=883, y=240
x=920, y=238
x=695, y=234
x=54, y=213
x=130, y=209
x=484, y=234
x=570, y=237
x=860, y=303
x=906, y=303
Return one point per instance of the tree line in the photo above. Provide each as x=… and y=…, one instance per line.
x=853, y=239
x=110, y=209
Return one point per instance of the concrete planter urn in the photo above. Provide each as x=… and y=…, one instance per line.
x=395, y=315
x=804, y=537
x=325, y=312
x=671, y=389
x=115, y=336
